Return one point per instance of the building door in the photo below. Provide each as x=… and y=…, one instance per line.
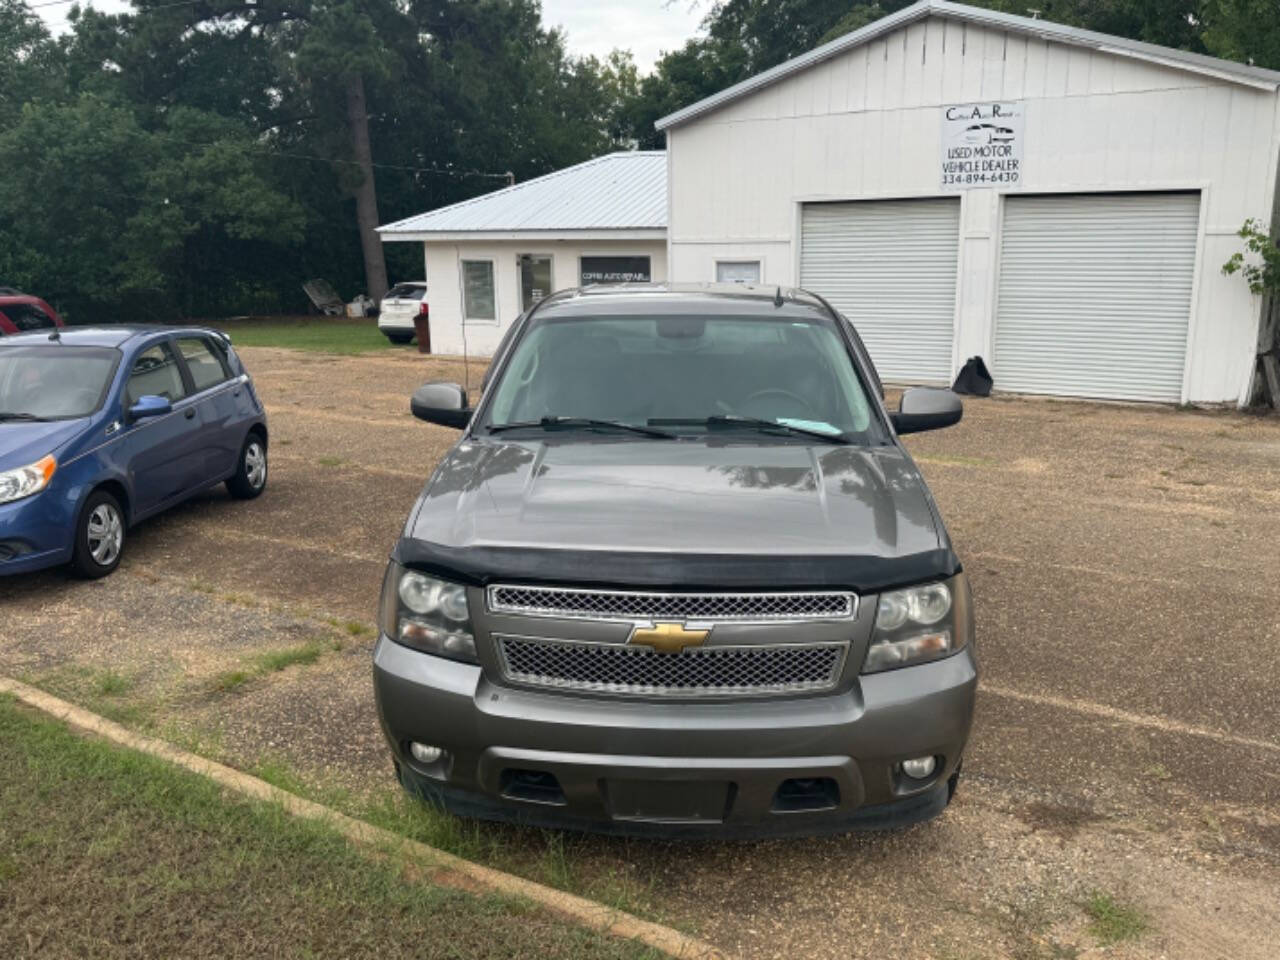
x=535, y=279
x=1095, y=294
x=890, y=267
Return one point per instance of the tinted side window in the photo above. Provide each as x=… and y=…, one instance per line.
x=155, y=373
x=206, y=369
x=27, y=316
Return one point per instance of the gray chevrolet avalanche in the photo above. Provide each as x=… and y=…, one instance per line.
x=679, y=576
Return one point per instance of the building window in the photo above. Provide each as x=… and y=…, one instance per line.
x=615, y=270
x=535, y=279
x=737, y=271
x=478, y=300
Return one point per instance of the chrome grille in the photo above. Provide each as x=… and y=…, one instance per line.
x=634, y=605
x=694, y=672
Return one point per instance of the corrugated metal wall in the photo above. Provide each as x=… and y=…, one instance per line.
x=890, y=267
x=1095, y=294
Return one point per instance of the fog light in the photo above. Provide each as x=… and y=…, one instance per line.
x=425, y=754
x=921, y=768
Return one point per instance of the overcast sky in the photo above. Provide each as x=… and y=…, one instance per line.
x=645, y=27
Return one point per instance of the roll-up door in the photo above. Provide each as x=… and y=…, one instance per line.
x=890, y=267
x=1095, y=294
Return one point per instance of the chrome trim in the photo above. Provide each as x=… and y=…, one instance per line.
x=666, y=660
x=647, y=615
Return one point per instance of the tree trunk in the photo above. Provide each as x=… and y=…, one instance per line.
x=375, y=267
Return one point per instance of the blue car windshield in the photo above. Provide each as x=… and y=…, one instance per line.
x=687, y=375
x=54, y=382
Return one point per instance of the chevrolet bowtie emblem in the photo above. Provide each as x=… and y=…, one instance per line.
x=668, y=637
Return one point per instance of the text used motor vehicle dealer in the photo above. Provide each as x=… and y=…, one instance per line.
x=982, y=145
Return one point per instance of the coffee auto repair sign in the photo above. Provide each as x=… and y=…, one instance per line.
x=982, y=145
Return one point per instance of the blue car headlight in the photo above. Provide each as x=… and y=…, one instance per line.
x=25, y=481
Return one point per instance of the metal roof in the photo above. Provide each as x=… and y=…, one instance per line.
x=1227, y=70
x=619, y=191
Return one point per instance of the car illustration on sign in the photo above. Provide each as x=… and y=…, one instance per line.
x=988, y=133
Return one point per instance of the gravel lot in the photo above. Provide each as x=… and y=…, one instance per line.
x=1126, y=572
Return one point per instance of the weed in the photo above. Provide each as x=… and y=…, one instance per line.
x=276, y=660
x=111, y=684
x=357, y=629
x=330, y=461
x=232, y=680
x=1112, y=921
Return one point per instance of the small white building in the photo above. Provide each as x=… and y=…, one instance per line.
x=490, y=258
x=960, y=181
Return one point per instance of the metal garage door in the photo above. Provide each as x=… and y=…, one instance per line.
x=1095, y=294
x=890, y=267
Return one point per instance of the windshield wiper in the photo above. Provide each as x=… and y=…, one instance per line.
x=9, y=415
x=548, y=423
x=733, y=420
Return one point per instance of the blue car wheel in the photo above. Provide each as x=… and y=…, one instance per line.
x=100, y=535
x=250, y=478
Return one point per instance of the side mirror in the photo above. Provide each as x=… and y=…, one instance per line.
x=150, y=405
x=442, y=403
x=927, y=408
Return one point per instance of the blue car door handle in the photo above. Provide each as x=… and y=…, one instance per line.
x=189, y=413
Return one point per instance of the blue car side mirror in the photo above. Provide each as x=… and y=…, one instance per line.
x=150, y=406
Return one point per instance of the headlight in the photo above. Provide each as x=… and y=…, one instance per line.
x=919, y=624
x=23, y=482
x=427, y=614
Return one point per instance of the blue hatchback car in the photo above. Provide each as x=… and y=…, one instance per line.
x=103, y=427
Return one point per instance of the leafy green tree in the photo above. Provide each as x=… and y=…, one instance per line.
x=28, y=60
x=1244, y=30
x=118, y=222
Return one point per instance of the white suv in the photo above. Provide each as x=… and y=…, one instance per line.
x=402, y=303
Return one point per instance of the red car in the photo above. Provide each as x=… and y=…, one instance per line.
x=20, y=313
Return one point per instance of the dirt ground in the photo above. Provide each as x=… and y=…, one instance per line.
x=1127, y=743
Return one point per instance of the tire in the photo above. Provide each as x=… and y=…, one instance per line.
x=953, y=782
x=250, y=478
x=399, y=339
x=100, y=536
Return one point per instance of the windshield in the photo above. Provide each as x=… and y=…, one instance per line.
x=406, y=291
x=54, y=382
x=687, y=374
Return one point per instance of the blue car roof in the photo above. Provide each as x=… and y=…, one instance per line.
x=105, y=336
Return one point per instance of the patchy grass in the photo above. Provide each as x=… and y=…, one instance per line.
x=231, y=680
x=111, y=684
x=330, y=461
x=276, y=660
x=111, y=853
x=1112, y=921
x=323, y=334
x=272, y=661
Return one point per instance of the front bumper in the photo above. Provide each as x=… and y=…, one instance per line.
x=749, y=767
x=35, y=532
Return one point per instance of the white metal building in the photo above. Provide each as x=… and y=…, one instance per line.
x=490, y=258
x=960, y=182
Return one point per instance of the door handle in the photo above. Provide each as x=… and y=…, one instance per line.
x=189, y=413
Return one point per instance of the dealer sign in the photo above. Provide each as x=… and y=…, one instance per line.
x=982, y=145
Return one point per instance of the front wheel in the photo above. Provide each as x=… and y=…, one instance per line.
x=250, y=478
x=99, y=536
